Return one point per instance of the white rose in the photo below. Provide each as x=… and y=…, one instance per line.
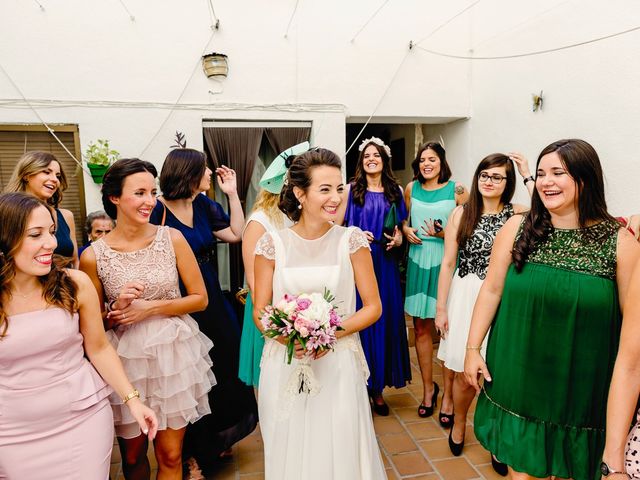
x=319, y=309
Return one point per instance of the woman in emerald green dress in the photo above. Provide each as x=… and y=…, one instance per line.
x=553, y=298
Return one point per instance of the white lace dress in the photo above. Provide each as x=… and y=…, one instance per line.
x=165, y=357
x=327, y=436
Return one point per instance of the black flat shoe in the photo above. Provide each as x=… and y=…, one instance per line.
x=423, y=410
x=382, y=410
x=456, y=448
x=500, y=468
x=445, y=419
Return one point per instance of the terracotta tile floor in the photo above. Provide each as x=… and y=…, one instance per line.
x=411, y=447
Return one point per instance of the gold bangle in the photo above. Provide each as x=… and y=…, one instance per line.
x=134, y=394
x=471, y=347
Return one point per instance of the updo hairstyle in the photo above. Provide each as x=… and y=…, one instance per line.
x=299, y=175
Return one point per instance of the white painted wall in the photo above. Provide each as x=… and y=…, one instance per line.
x=80, y=52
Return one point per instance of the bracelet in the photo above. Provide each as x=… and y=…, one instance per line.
x=110, y=305
x=134, y=394
x=529, y=179
x=470, y=347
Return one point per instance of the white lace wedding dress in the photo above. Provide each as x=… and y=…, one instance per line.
x=327, y=436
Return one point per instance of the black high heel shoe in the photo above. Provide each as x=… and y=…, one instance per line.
x=456, y=448
x=423, y=410
x=446, y=420
x=380, y=409
x=500, y=468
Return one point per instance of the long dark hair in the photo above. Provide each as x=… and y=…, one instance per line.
x=299, y=175
x=389, y=183
x=583, y=166
x=57, y=286
x=472, y=210
x=445, y=170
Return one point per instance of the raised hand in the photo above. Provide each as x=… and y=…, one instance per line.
x=226, y=180
x=522, y=164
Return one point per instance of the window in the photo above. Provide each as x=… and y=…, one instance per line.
x=18, y=139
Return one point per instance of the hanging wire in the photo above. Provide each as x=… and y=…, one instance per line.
x=531, y=54
x=49, y=129
x=196, y=67
x=370, y=18
x=215, y=21
x=384, y=94
x=39, y=5
x=517, y=27
x=131, y=17
x=448, y=21
x=295, y=8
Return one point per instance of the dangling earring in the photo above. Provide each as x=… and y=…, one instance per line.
x=299, y=206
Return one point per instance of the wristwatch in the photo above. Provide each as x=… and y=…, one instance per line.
x=529, y=179
x=606, y=470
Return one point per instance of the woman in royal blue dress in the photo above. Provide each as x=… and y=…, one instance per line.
x=373, y=192
x=203, y=222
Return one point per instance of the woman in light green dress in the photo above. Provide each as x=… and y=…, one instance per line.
x=430, y=198
x=265, y=217
x=553, y=296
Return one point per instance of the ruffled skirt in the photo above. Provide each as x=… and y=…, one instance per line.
x=167, y=360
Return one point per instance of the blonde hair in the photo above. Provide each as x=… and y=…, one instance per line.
x=32, y=163
x=267, y=202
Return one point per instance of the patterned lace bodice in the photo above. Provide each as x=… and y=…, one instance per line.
x=474, y=255
x=154, y=266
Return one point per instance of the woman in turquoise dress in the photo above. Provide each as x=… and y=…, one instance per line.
x=265, y=217
x=553, y=298
x=430, y=198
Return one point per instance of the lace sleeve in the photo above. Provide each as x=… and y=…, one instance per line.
x=265, y=247
x=357, y=239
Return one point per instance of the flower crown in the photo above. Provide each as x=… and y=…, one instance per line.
x=378, y=142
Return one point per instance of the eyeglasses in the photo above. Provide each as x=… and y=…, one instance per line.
x=495, y=178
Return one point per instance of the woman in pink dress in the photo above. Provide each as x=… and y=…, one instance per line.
x=55, y=419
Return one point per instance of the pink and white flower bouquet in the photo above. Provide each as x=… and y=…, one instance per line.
x=309, y=318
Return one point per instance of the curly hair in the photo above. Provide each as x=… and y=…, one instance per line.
x=32, y=163
x=267, y=202
x=389, y=183
x=299, y=175
x=583, y=166
x=58, y=288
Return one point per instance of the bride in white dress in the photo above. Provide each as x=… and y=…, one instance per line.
x=328, y=435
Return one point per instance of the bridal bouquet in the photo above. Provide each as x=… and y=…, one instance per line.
x=309, y=318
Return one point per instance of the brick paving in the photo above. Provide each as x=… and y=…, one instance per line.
x=411, y=447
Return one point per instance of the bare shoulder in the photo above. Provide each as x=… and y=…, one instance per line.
x=67, y=214
x=456, y=214
x=519, y=208
x=80, y=278
x=511, y=226
x=176, y=235
x=407, y=189
x=628, y=246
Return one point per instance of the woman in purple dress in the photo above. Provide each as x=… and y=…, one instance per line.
x=372, y=194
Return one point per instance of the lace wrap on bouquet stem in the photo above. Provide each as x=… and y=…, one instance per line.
x=301, y=380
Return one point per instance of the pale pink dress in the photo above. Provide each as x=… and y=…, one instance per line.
x=55, y=420
x=165, y=357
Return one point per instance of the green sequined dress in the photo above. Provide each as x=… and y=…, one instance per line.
x=551, y=352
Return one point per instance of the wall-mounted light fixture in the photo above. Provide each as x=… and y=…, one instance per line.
x=215, y=65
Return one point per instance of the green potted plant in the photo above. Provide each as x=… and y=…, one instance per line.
x=98, y=157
